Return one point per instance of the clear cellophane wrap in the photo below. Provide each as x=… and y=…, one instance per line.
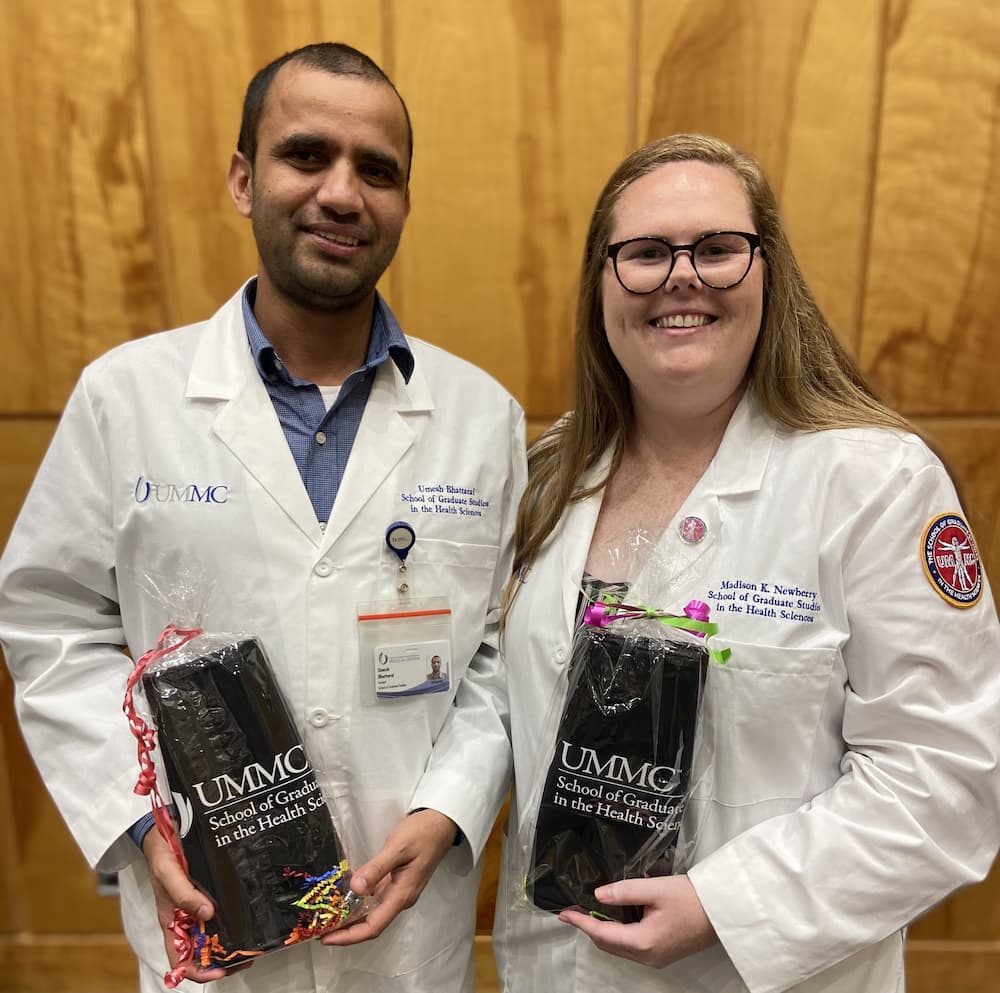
x=235, y=796
x=612, y=787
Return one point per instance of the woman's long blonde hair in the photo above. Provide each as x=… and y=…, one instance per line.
x=800, y=373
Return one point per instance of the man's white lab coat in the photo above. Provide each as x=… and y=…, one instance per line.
x=169, y=457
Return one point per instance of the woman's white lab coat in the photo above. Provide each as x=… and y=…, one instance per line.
x=170, y=455
x=847, y=770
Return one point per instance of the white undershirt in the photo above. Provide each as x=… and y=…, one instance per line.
x=329, y=395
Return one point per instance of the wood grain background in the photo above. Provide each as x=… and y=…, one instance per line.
x=877, y=121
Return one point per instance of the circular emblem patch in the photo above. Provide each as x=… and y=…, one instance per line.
x=692, y=530
x=951, y=560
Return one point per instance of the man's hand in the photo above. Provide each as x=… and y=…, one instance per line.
x=398, y=874
x=673, y=926
x=173, y=889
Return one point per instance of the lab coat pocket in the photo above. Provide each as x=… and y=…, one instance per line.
x=760, y=717
x=435, y=567
x=436, y=551
x=461, y=572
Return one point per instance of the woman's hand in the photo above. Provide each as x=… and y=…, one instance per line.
x=673, y=926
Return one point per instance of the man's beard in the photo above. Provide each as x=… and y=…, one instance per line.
x=318, y=285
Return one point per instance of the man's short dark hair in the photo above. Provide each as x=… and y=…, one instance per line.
x=328, y=56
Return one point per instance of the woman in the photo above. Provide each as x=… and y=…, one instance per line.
x=847, y=763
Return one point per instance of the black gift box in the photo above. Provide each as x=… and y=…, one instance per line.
x=256, y=831
x=618, y=778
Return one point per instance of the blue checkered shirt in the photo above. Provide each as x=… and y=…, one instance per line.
x=321, y=440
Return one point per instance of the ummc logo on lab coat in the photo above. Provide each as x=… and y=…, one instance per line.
x=146, y=491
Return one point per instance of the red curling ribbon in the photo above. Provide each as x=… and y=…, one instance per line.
x=184, y=945
x=171, y=638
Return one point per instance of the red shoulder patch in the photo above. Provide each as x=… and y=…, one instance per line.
x=951, y=560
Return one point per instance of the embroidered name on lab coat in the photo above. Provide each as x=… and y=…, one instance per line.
x=445, y=498
x=760, y=598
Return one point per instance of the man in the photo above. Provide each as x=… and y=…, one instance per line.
x=271, y=448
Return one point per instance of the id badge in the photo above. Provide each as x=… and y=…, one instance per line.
x=405, y=648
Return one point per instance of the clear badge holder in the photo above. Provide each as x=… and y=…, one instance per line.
x=405, y=648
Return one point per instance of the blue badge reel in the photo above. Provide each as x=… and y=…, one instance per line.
x=405, y=642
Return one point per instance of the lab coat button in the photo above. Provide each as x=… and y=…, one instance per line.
x=561, y=655
x=318, y=717
x=322, y=568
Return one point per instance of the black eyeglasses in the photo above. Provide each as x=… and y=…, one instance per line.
x=720, y=260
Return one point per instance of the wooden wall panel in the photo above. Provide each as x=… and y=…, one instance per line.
x=199, y=58
x=77, y=267
x=877, y=120
x=932, y=291
x=787, y=81
x=521, y=111
x=68, y=964
x=952, y=966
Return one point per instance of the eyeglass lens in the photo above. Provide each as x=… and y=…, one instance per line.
x=720, y=260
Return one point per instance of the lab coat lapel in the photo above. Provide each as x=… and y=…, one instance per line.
x=578, y=532
x=673, y=564
x=387, y=431
x=676, y=561
x=223, y=370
